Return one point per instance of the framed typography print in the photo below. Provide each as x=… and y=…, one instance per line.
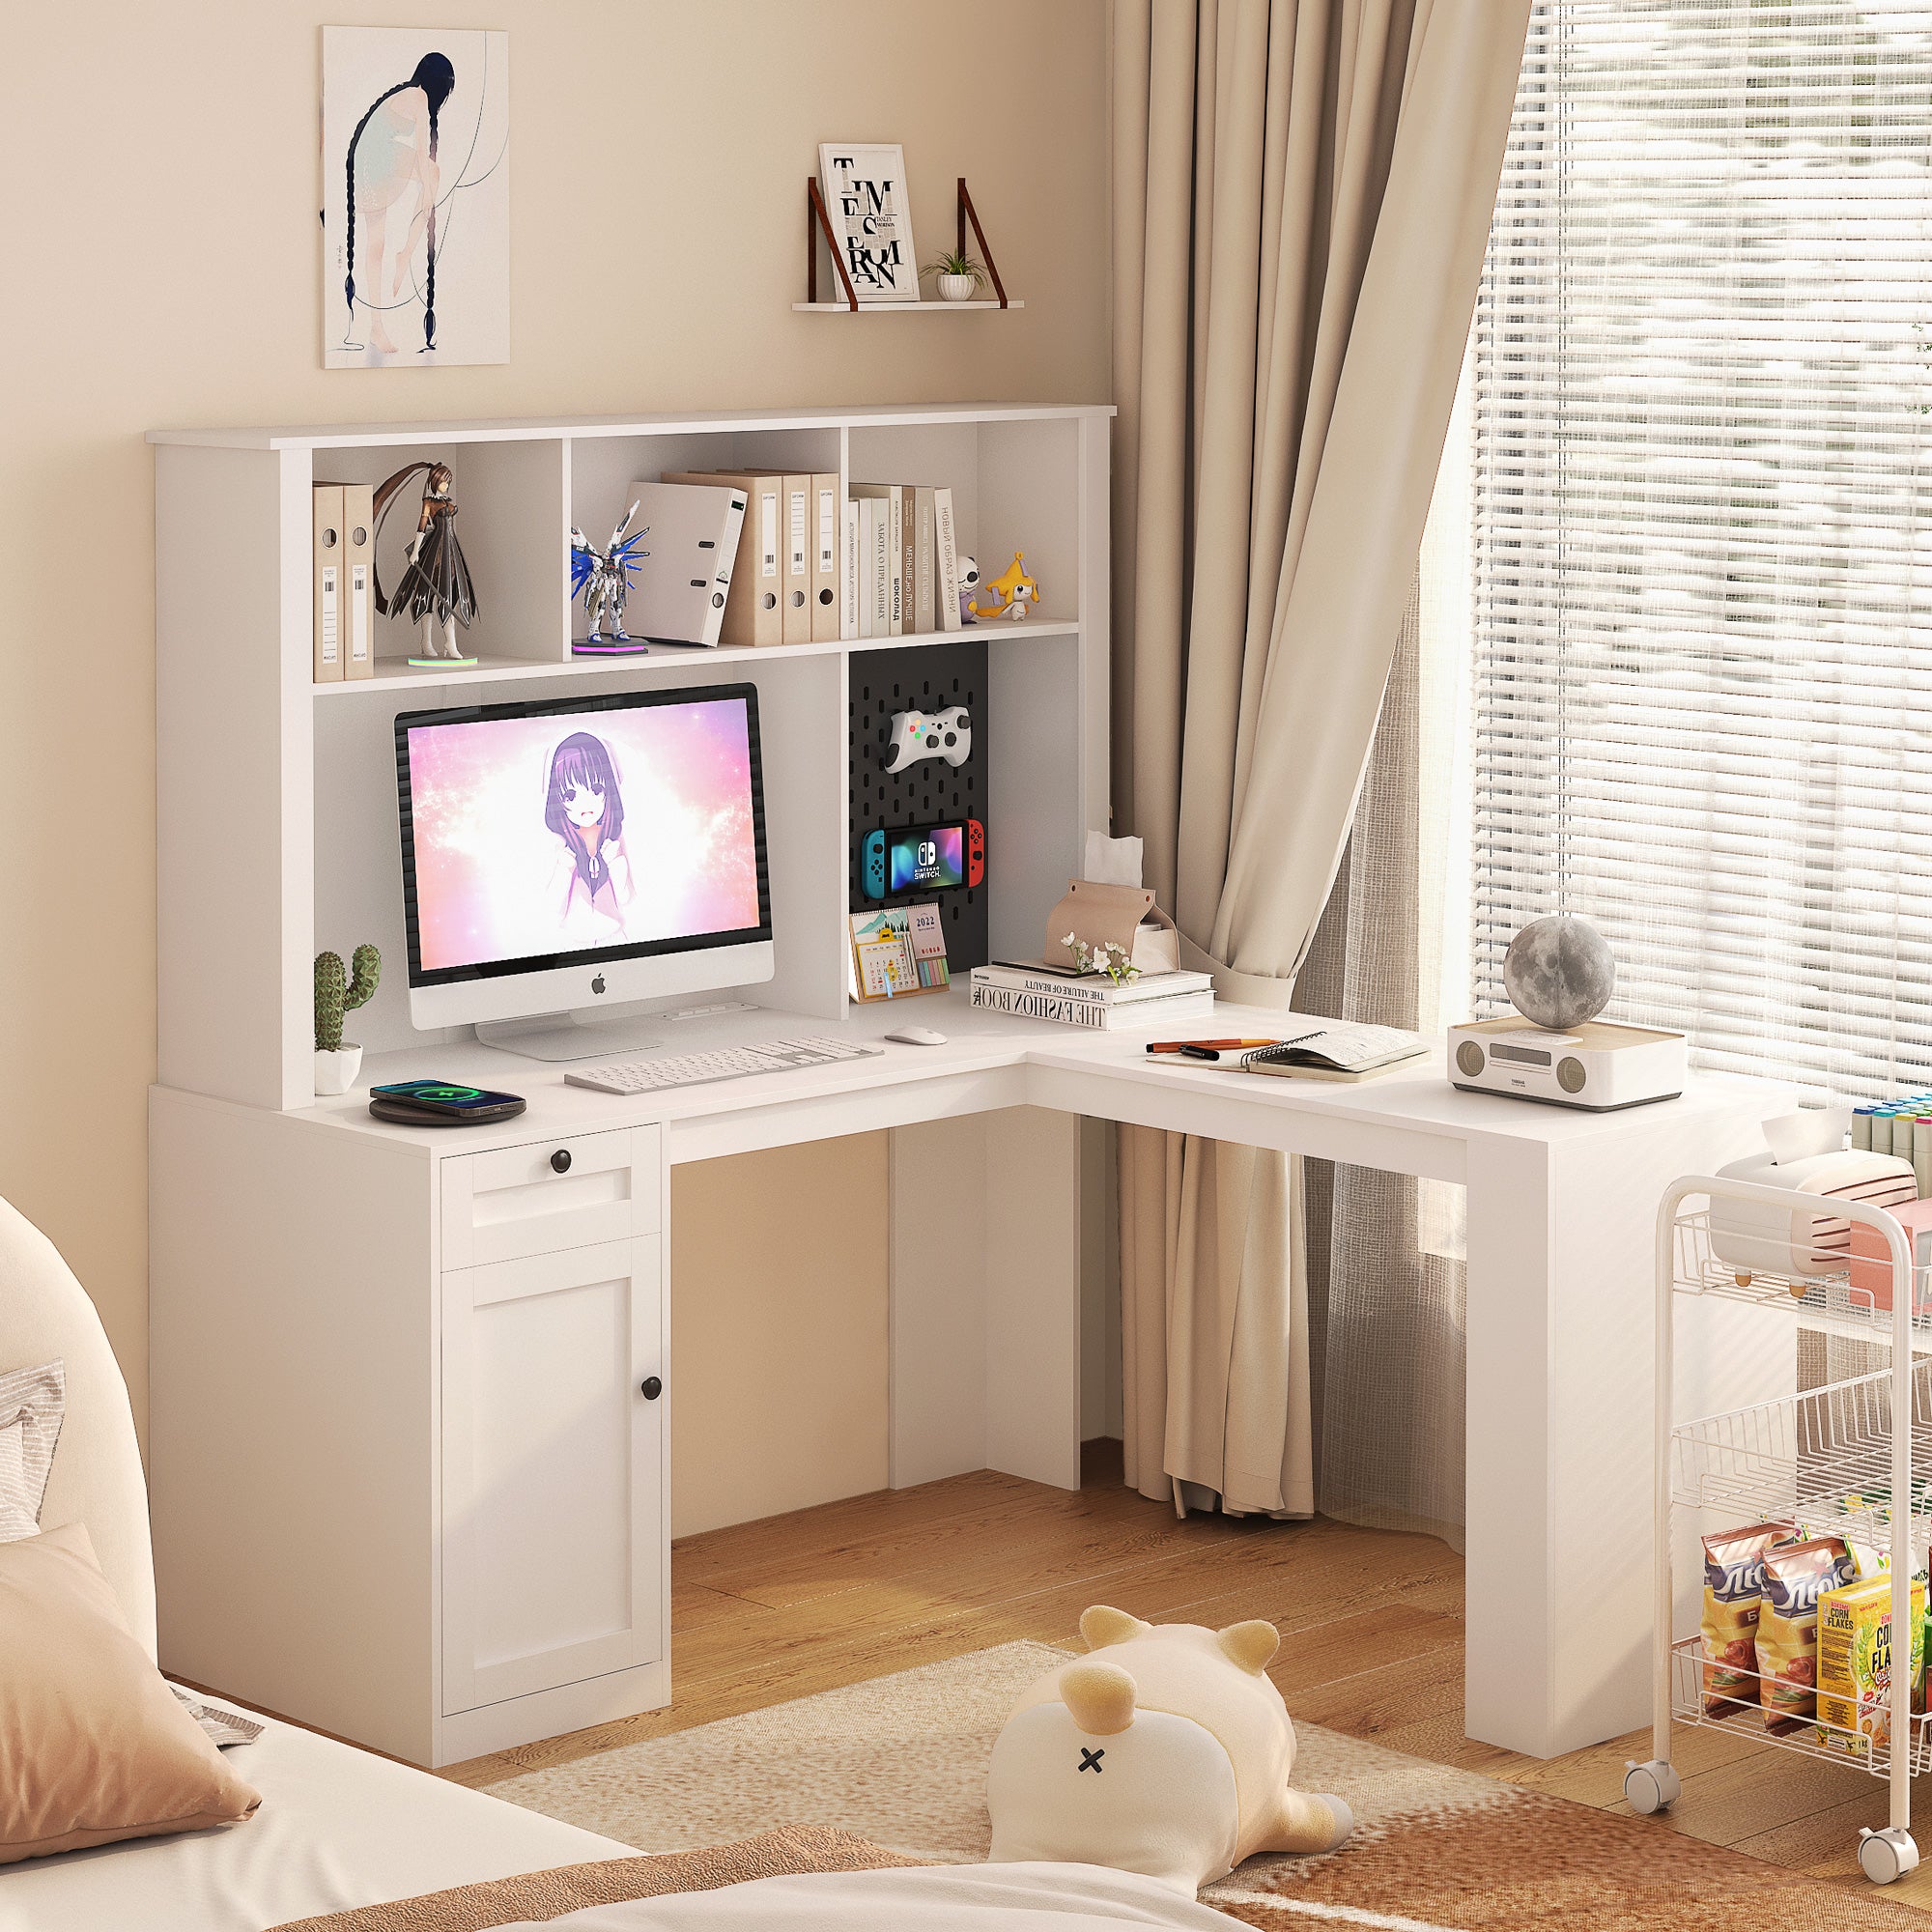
x=864, y=191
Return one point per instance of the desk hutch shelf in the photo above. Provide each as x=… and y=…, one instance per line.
x=269, y=778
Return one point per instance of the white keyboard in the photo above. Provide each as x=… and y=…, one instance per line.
x=726, y=1062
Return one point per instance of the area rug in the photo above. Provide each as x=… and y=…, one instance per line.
x=902, y=1760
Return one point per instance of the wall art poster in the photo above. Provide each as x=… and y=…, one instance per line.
x=415, y=215
x=864, y=191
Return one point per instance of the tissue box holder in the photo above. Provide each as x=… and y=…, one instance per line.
x=1748, y=1236
x=1124, y=915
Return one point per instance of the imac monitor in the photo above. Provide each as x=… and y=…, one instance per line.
x=562, y=856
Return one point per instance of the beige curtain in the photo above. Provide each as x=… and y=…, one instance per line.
x=1302, y=199
x=1385, y=1270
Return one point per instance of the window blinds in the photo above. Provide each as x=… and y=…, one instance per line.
x=1702, y=525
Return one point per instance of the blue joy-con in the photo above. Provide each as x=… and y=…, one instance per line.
x=873, y=864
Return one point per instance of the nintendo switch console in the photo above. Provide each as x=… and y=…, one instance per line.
x=923, y=858
x=929, y=734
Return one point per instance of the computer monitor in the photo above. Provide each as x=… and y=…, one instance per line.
x=561, y=857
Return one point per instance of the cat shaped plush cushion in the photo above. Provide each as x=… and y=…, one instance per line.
x=1165, y=1752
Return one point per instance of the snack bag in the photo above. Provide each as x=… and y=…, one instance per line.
x=1794, y=1574
x=1855, y=1665
x=1733, y=1587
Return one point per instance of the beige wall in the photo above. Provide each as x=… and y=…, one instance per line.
x=778, y=1323
x=161, y=181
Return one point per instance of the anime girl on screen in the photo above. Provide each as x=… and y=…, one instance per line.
x=591, y=888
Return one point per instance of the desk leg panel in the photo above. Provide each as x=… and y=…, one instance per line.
x=984, y=1330
x=1561, y=1248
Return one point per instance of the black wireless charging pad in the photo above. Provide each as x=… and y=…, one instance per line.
x=403, y=1115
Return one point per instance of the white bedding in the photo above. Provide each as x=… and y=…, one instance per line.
x=935, y=1898
x=337, y=1828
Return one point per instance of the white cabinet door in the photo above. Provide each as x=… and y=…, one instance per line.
x=553, y=1454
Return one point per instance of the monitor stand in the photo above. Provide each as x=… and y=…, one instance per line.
x=595, y=1036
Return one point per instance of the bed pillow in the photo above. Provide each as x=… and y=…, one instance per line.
x=95, y=1743
x=32, y=1405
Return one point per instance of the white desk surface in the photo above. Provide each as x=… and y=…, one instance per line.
x=989, y=1061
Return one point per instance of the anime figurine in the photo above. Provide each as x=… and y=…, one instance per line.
x=604, y=577
x=1013, y=589
x=435, y=587
x=968, y=582
x=591, y=884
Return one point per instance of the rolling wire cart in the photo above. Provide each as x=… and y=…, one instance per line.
x=1835, y=1456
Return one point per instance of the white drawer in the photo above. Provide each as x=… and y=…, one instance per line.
x=550, y=1195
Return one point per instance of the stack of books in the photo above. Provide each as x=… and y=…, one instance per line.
x=899, y=561
x=1036, y=991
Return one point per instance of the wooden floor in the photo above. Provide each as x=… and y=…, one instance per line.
x=1372, y=1623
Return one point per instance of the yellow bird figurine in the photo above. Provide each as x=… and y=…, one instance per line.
x=1013, y=589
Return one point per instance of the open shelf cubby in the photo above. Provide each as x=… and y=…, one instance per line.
x=278, y=823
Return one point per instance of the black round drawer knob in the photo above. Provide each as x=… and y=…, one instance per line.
x=651, y=1388
x=560, y=1160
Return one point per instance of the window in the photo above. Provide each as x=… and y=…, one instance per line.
x=1701, y=532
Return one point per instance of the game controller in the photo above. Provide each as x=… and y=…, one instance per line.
x=976, y=852
x=929, y=734
x=873, y=864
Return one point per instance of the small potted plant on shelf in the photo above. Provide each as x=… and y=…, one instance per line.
x=959, y=275
x=339, y=990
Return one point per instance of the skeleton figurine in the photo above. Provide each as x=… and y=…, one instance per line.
x=969, y=588
x=435, y=587
x=604, y=577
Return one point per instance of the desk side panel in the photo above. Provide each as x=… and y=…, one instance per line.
x=234, y=914
x=293, y=1414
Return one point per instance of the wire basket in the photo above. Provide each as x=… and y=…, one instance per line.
x=1822, y=1458
x=1810, y=1737
x=1827, y=1300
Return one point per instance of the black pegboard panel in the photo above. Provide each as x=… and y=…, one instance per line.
x=924, y=677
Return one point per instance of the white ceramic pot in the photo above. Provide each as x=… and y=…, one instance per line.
x=335, y=1073
x=955, y=287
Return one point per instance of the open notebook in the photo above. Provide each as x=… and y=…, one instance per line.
x=1319, y=1049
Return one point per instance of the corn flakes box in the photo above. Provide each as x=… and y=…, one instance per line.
x=1855, y=1665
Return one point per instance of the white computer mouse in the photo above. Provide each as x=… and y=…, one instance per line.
x=917, y=1036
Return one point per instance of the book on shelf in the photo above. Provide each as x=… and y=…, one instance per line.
x=891, y=497
x=1034, y=976
x=946, y=562
x=878, y=568
x=1319, y=1049
x=848, y=571
x=1098, y=1015
x=921, y=609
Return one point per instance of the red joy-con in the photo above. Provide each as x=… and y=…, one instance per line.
x=976, y=851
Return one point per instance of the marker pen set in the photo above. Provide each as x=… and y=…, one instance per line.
x=1902, y=1128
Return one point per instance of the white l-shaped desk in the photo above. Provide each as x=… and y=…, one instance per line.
x=407, y=1487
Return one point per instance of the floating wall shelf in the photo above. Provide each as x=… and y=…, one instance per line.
x=895, y=308
x=818, y=226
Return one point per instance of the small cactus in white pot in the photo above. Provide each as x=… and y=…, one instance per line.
x=338, y=991
x=960, y=277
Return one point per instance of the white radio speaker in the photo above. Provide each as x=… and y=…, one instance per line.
x=1596, y=1065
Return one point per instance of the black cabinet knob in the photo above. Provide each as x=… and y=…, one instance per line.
x=560, y=1160
x=651, y=1387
